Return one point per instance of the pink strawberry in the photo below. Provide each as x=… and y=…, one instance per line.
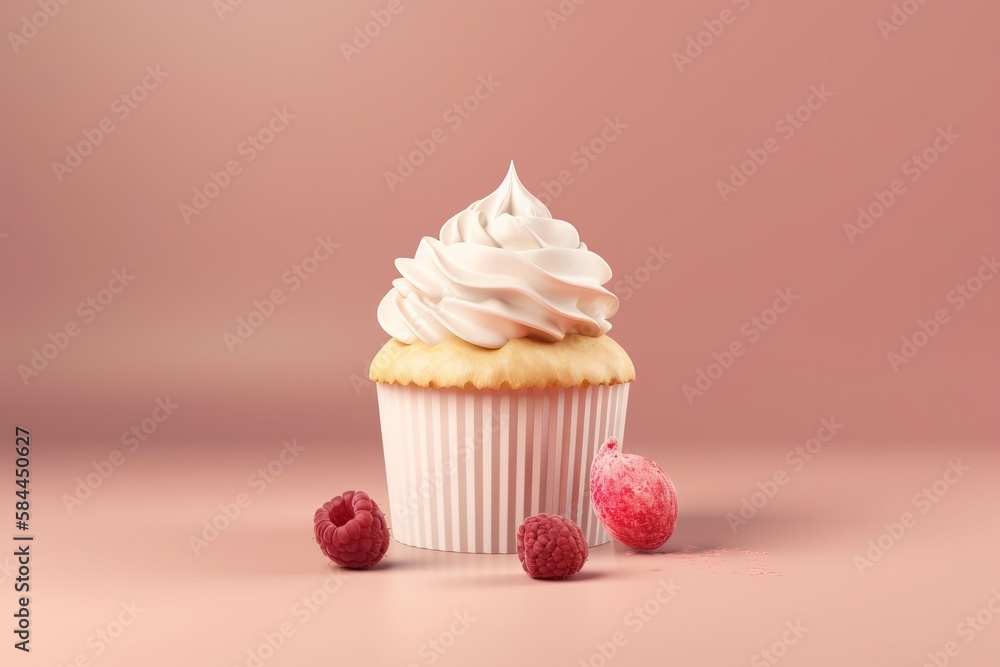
x=633, y=497
x=351, y=530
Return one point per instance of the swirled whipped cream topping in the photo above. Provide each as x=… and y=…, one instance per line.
x=503, y=268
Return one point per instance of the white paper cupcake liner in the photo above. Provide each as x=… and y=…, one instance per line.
x=466, y=467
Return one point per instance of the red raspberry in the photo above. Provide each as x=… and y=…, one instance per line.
x=550, y=547
x=351, y=530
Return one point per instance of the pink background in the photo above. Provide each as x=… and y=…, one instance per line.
x=654, y=185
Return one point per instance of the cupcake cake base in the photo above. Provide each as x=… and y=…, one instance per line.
x=465, y=467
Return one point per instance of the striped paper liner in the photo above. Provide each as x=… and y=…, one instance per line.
x=465, y=467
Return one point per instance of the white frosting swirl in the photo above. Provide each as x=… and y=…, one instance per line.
x=502, y=269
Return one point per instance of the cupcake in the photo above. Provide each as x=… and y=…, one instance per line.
x=499, y=381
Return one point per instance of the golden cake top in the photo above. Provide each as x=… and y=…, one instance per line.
x=574, y=361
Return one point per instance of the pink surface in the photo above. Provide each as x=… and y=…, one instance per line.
x=799, y=204
x=713, y=597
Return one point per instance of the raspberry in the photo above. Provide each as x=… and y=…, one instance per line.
x=351, y=530
x=633, y=497
x=550, y=547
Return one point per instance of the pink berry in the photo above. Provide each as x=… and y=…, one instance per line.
x=633, y=497
x=351, y=530
x=550, y=547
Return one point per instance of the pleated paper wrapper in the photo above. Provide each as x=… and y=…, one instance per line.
x=465, y=467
